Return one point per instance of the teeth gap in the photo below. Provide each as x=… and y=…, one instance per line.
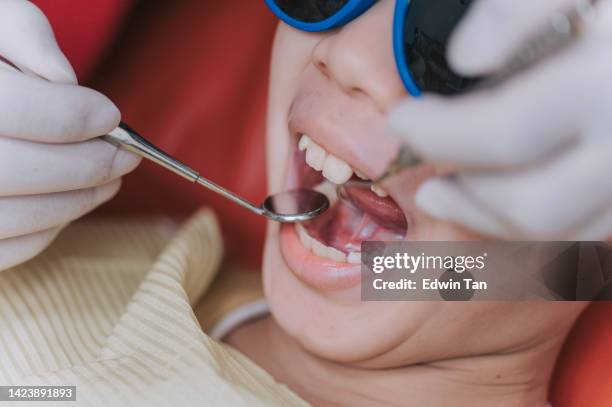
x=322, y=250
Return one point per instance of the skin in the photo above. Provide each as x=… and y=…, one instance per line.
x=328, y=346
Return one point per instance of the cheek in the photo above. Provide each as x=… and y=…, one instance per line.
x=291, y=55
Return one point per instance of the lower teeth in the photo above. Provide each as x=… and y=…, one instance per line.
x=321, y=250
x=354, y=257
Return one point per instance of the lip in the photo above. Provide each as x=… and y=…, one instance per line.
x=338, y=124
x=318, y=272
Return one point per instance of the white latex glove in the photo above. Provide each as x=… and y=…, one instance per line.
x=51, y=172
x=533, y=156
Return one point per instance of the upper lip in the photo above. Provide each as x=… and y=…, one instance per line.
x=358, y=140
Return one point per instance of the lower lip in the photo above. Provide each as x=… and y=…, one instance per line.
x=318, y=272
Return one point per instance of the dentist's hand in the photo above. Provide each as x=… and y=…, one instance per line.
x=51, y=171
x=533, y=157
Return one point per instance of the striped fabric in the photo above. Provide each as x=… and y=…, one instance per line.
x=109, y=308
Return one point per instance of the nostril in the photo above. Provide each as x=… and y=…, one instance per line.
x=327, y=72
x=323, y=68
x=355, y=91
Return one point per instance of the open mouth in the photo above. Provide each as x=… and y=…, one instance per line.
x=357, y=214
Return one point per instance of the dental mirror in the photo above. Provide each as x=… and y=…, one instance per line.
x=286, y=207
x=295, y=206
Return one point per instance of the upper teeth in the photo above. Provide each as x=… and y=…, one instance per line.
x=334, y=169
x=379, y=191
x=361, y=174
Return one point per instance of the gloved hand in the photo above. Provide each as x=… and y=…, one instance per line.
x=51, y=171
x=533, y=157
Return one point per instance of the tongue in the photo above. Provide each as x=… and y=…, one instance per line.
x=345, y=226
x=360, y=214
x=383, y=211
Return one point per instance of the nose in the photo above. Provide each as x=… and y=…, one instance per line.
x=359, y=57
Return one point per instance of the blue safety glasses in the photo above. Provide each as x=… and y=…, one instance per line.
x=421, y=30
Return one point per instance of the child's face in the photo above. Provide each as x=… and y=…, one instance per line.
x=336, y=87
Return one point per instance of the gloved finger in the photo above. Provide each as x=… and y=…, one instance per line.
x=27, y=41
x=28, y=168
x=23, y=215
x=34, y=109
x=446, y=200
x=493, y=29
x=599, y=228
x=16, y=250
x=518, y=123
x=551, y=201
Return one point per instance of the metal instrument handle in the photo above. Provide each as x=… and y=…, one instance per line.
x=125, y=137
